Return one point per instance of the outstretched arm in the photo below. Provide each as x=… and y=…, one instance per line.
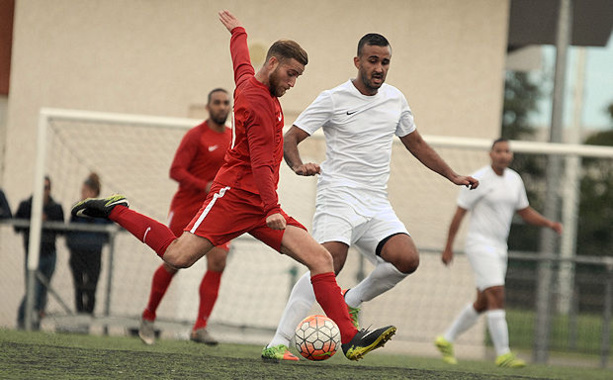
x=229, y=20
x=447, y=255
x=427, y=156
x=239, y=50
x=531, y=216
x=291, y=139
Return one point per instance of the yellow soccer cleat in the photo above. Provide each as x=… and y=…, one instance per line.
x=366, y=340
x=446, y=349
x=509, y=360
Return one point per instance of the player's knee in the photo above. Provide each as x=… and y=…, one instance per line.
x=216, y=260
x=178, y=261
x=325, y=259
x=217, y=265
x=170, y=269
x=408, y=264
x=321, y=261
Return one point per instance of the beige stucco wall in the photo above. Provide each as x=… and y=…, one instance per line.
x=161, y=58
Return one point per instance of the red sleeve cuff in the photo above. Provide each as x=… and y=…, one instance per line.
x=274, y=210
x=238, y=29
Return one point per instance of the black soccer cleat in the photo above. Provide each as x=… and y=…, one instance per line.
x=99, y=207
x=365, y=341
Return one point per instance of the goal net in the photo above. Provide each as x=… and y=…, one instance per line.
x=132, y=156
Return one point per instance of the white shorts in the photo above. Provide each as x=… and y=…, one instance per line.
x=356, y=218
x=489, y=265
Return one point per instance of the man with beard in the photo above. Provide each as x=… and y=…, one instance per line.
x=197, y=160
x=359, y=120
x=243, y=197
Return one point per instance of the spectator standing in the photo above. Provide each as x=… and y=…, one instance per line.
x=52, y=211
x=5, y=209
x=86, y=252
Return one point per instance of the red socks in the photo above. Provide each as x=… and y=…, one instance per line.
x=209, y=289
x=159, y=284
x=149, y=231
x=328, y=295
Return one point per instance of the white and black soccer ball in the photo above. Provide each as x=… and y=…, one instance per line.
x=317, y=337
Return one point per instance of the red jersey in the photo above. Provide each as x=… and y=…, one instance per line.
x=253, y=161
x=197, y=160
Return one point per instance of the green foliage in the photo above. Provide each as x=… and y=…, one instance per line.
x=521, y=95
x=581, y=333
x=594, y=235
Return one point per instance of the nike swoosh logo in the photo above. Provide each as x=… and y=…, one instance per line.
x=280, y=117
x=349, y=113
x=146, y=232
x=212, y=148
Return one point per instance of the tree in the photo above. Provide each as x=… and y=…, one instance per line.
x=596, y=203
x=521, y=95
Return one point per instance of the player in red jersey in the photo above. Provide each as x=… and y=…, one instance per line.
x=197, y=159
x=243, y=198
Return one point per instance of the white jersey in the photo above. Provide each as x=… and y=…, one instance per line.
x=359, y=131
x=492, y=204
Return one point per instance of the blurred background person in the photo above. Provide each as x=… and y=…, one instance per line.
x=197, y=160
x=86, y=252
x=5, y=209
x=52, y=211
x=492, y=206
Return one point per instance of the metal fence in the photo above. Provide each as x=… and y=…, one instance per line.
x=583, y=329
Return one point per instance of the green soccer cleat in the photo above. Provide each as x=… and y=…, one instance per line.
x=446, y=349
x=509, y=360
x=365, y=341
x=277, y=353
x=353, y=312
x=99, y=207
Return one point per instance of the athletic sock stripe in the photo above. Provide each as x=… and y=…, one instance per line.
x=221, y=193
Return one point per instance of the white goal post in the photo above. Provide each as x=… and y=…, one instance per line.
x=132, y=155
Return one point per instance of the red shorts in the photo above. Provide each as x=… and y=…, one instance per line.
x=228, y=213
x=179, y=218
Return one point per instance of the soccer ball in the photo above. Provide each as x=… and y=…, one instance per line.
x=317, y=337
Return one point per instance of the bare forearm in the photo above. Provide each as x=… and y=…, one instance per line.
x=421, y=150
x=428, y=156
x=454, y=226
x=447, y=255
x=291, y=139
x=291, y=153
x=531, y=216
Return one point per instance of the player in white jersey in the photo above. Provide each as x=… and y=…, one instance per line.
x=501, y=193
x=359, y=119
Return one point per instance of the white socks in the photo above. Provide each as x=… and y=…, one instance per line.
x=496, y=323
x=384, y=277
x=499, y=331
x=300, y=302
x=302, y=298
x=465, y=320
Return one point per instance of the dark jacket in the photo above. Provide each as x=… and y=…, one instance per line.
x=53, y=212
x=5, y=209
x=87, y=240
